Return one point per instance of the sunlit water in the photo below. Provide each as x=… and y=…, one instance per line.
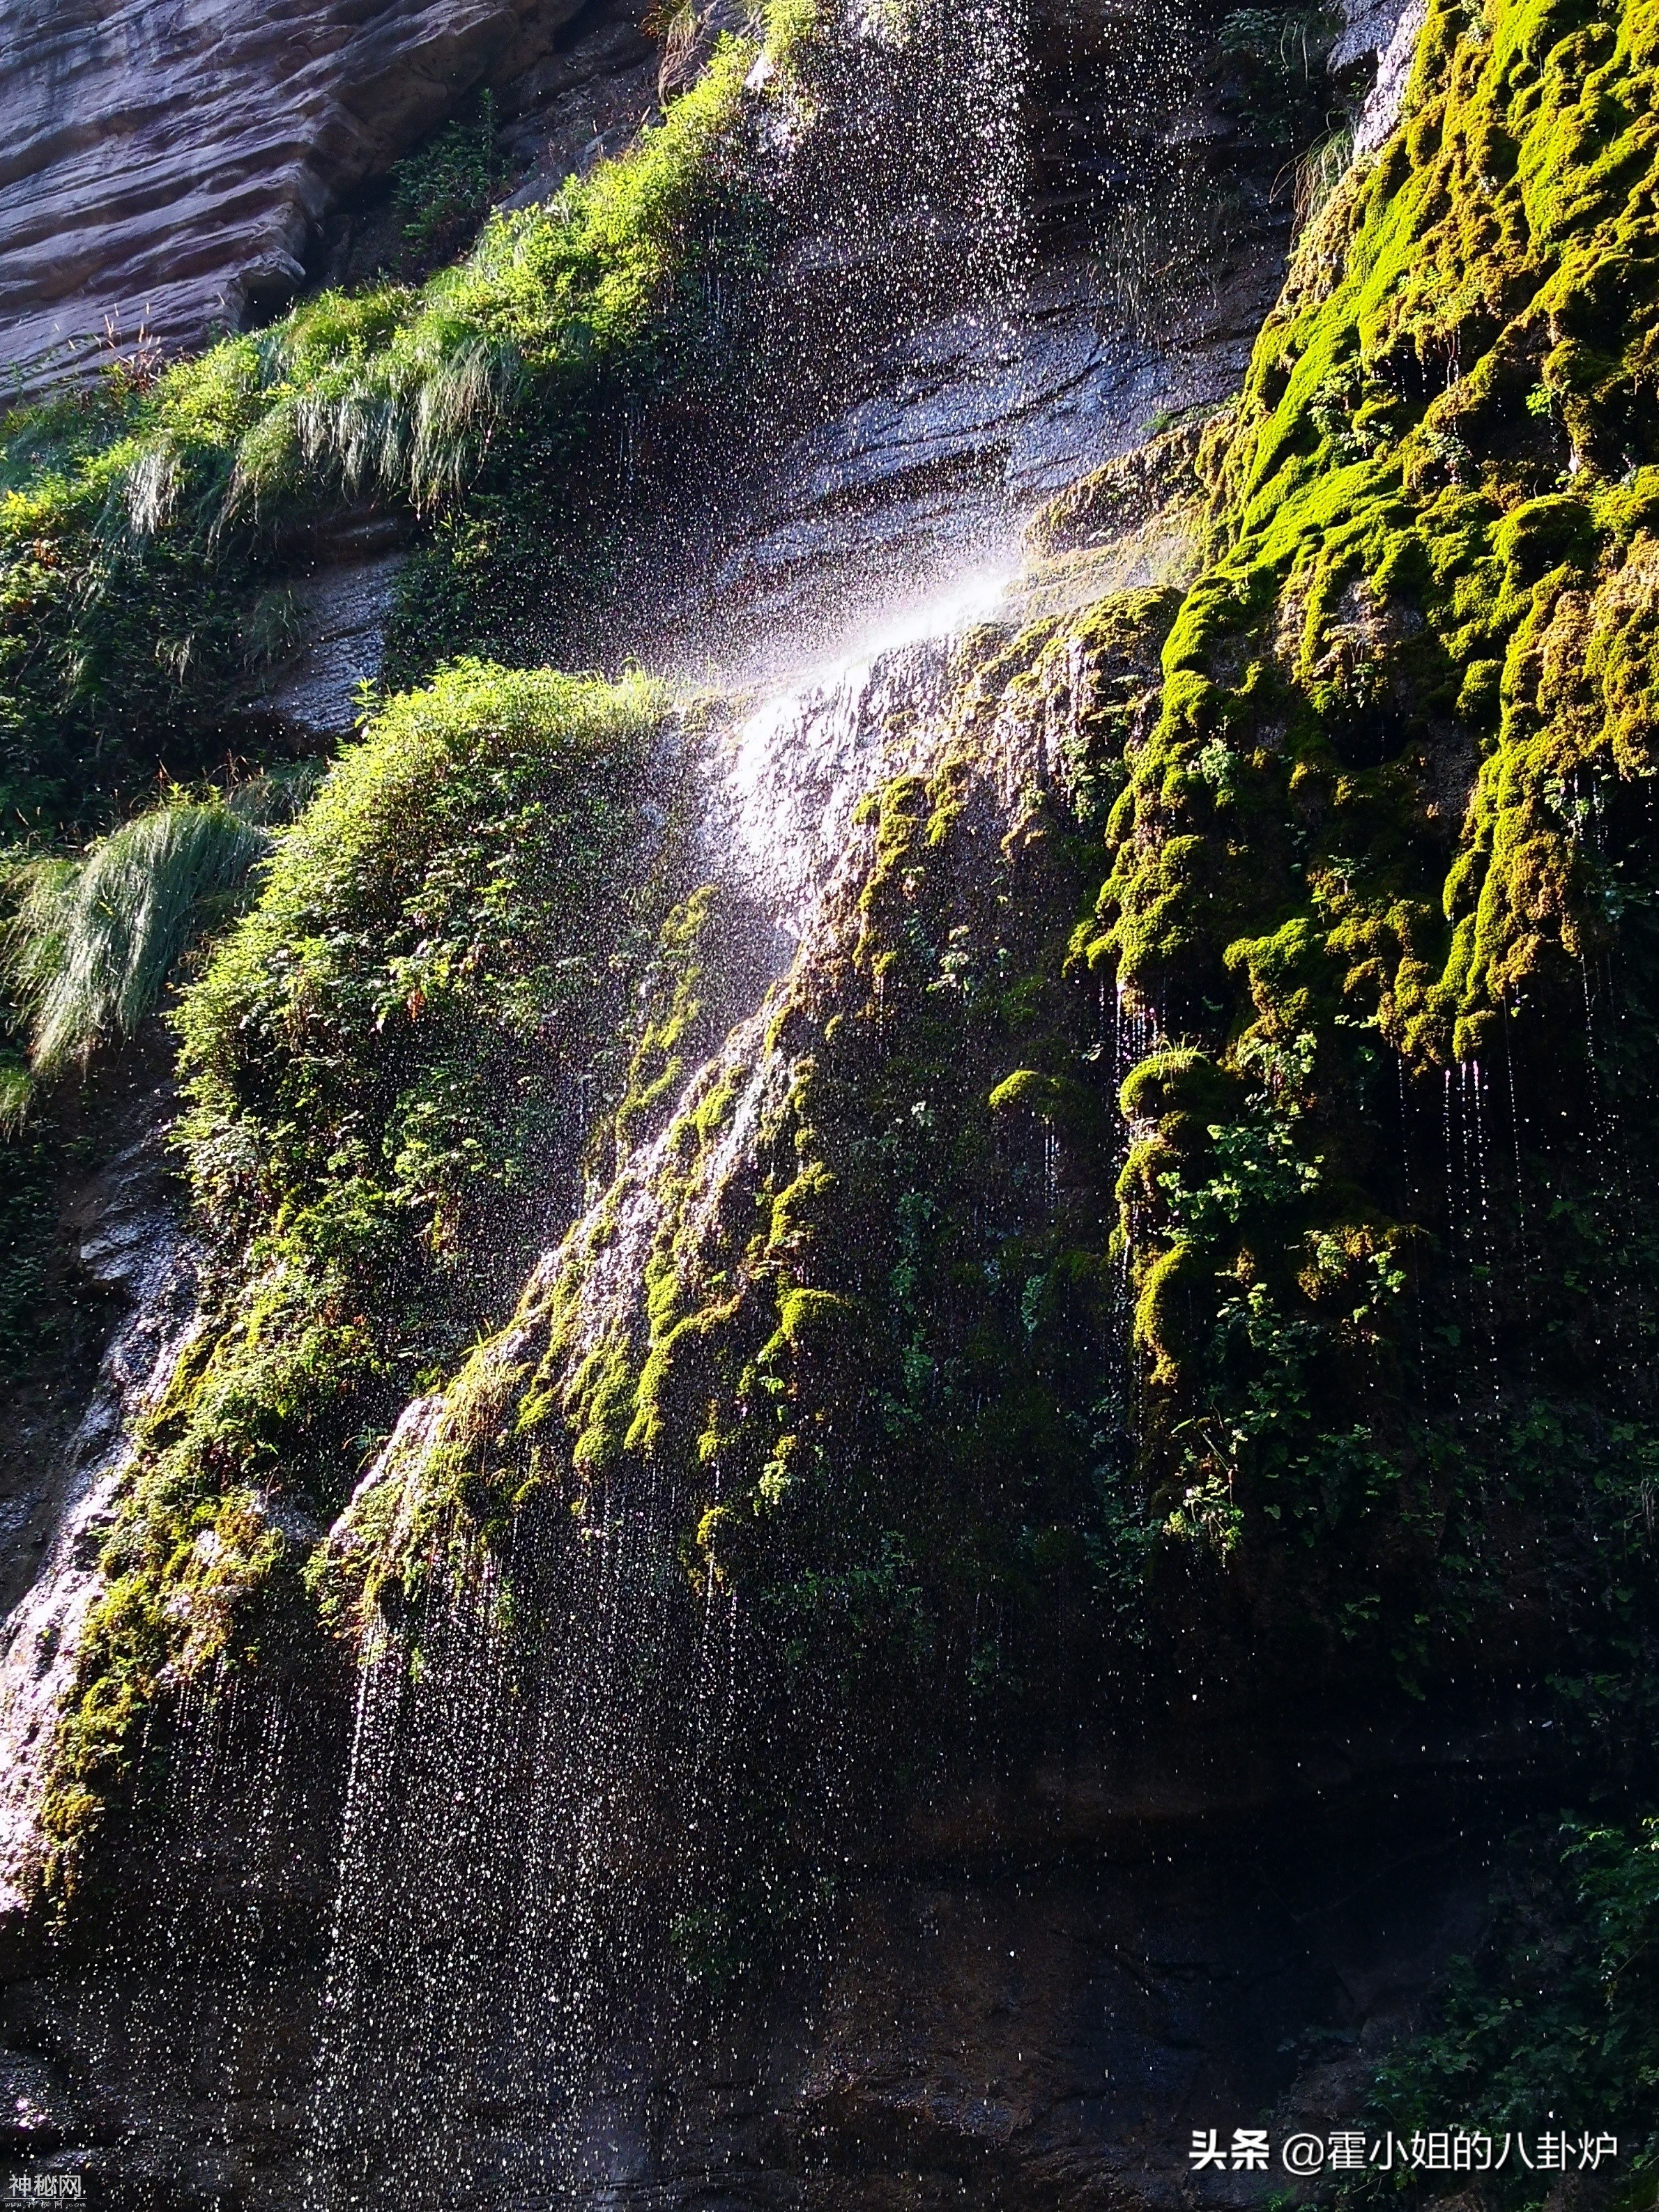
x=540, y=1738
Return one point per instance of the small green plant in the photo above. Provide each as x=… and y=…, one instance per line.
x=441, y=192
x=92, y=942
x=1320, y=171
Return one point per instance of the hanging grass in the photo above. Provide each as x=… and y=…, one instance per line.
x=93, y=941
x=137, y=520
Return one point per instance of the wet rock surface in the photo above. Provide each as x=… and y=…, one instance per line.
x=971, y=424
x=996, y=2023
x=134, y=1275
x=1034, y=1995
x=340, y=613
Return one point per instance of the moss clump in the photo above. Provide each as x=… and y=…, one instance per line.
x=1391, y=817
x=673, y=1022
x=1426, y=637
x=391, y=1066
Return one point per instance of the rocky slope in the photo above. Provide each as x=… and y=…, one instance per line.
x=920, y=1402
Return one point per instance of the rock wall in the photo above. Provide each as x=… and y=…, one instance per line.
x=1056, y=1997
x=134, y=1273
x=168, y=161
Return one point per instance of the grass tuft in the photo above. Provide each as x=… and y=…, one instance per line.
x=93, y=941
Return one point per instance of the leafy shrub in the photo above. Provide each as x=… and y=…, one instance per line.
x=390, y=1062
x=1556, y=2021
x=440, y=192
x=430, y=929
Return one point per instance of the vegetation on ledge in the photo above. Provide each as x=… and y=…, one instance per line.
x=143, y=523
x=391, y=1064
x=1365, y=867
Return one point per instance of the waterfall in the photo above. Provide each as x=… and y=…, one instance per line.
x=534, y=1809
x=535, y=1797
x=525, y=1930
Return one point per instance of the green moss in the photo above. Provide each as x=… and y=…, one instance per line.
x=672, y=1024
x=392, y=1065
x=1418, y=666
x=1342, y=823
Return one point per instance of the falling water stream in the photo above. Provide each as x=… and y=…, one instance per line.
x=541, y=1735
x=528, y=1806
x=538, y=1751
x=539, y=1748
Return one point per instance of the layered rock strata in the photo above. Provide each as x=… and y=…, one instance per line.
x=165, y=167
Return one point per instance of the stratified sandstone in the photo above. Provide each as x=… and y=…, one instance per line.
x=166, y=162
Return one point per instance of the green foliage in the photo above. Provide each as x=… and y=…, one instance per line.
x=671, y=1024
x=415, y=943
x=391, y=1066
x=401, y=394
x=1273, y=73
x=121, y=640
x=93, y=942
x=139, y=521
x=440, y=192
x=1558, y=2014
x=1382, y=808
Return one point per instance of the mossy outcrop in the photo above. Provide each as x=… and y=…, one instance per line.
x=1369, y=920
x=392, y=1065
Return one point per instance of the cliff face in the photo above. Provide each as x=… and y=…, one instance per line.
x=167, y=168
x=920, y=1400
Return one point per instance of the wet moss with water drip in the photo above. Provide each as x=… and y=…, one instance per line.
x=391, y=1067
x=1117, y=1260
x=1381, y=815
x=1394, y=808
